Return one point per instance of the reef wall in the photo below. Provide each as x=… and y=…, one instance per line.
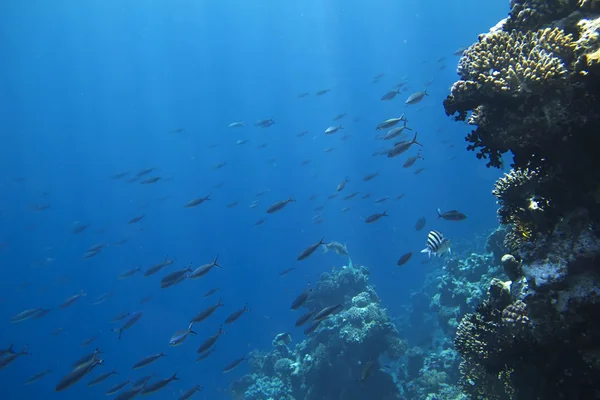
x=341, y=358
x=531, y=87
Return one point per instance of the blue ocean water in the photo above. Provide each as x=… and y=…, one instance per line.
x=91, y=89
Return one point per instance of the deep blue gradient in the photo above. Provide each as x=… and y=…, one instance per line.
x=92, y=88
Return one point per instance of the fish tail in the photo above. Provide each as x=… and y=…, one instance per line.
x=414, y=141
x=215, y=262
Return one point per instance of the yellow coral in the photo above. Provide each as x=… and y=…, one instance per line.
x=516, y=63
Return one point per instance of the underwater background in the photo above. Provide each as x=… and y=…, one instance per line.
x=94, y=94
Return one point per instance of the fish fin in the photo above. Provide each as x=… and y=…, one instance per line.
x=350, y=265
x=414, y=141
x=215, y=262
x=439, y=213
x=194, y=333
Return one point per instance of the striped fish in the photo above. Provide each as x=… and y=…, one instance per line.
x=437, y=245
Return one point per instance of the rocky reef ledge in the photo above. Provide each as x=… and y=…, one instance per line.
x=340, y=359
x=531, y=87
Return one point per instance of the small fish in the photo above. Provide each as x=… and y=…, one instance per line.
x=370, y=176
x=332, y=196
x=86, y=359
x=102, y=298
x=410, y=161
x=416, y=97
x=190, y=392
x=145, y=172
x=150, y=181
x=175, y=277
x=87, y=342
x=419, y=170
x=129, y=394
x=366, y=371
x=351, y=195
x=220, y=165
x=340, y=249
x=211, y=292
x=375, y=217
x=304, y=318
x=459, y=51
x=303, y=94
x=204, y=314
x=204, y=269
x=333, y=129
x=37, y=376
x=229, y=367
x=130, y=272
x=179, y=337
x=345, y=209
x=242, y=141
x=9, y=357
x=208, y=343
x=135, y=317
x=420, y=224
x=390, y=95
x=327, y=311
x=312, y=327
x=366, y=196
x=101, y=378
x=205, y=354
x=237, y=314
x=146, y=299
x=310, y=249
x=382, y=199
x=286, y=271
x=302, y=133
x=232, y=204
x=147, y=360
x=395, y=132
x=437, y=245
x=157, y=267
x=120, y=316
x=279, y=205
x=140, y=383
x=68, y=302
x=388, y=123
x=401, y=147
x=322, y=92
x=404, y=259
x=79, y=227
x=342, y=185
x=137, y=219
x=119, y=175
x=260, y=222
x=237, y=124
x=197, y=201
x=329, y=150
x=301, y=298
x=77, y=374
x=25, y=315
x=339, y=116
x=116, y=388
x=265, y=123
x=451, y=215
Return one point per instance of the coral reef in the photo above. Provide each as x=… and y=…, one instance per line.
x=340, y=359
x=530, y=86
x=536, y=337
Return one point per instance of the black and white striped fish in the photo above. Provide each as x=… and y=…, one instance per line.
x=437, y=245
